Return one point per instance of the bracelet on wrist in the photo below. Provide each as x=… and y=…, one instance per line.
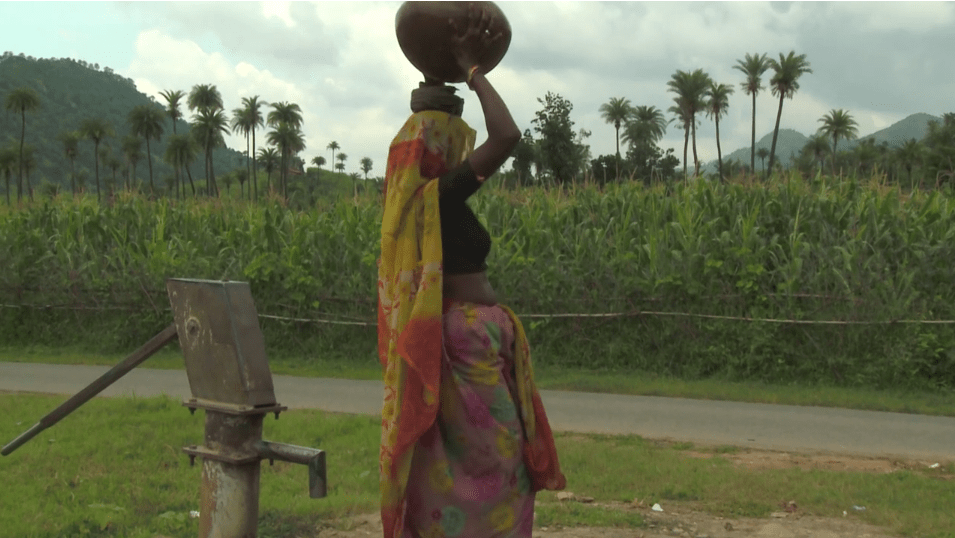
x=471, y=73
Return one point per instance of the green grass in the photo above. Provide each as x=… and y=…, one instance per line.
x=558, y=378
x=115, y=468
x=900, y=401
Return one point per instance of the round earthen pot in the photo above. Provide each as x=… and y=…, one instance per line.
x=425, y=37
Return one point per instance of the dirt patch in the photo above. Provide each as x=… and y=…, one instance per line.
x=681, y=520
x=356, y=527
x=675, y=522
x=678, y=522
x=766, y=459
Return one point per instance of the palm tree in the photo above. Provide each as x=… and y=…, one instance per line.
x=240, y=123
x=22, y=100
x=28, y=164
x=146, y=121
x=173, y=111
x=887, y=161
x=682, y=116
x=208, y=126
x=341, y=160
x=644, y=128
x=817, y=146
x=838, y=123
x=340, y=167
x=866, y=156
x=132, y=148
x=8, y=158
x=245, y=120
x=286, y=120
x=366, y=164
x=318, y=161
x=909, y=154
x=333, y=146
x=617, y=111
x=205, y=98
x=105, y=153
x=649, y=123
x=785, y=83
x=242, y=176
x=289, y=141
x=113, y=164
x=753, y=67
x=355, y=178
x=227, y=181
x=289, y=113
x=96, y=129
x=71, y=142
x=718, y=103
x=270, y=160
x=762, y=153
x=172, y=98
x=253, y=115
x=690, y=90
x=180, y=152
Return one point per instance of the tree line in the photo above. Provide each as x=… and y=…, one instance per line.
x=696, y=94
x=560, y=155
x=550, y=152
x=147, y=125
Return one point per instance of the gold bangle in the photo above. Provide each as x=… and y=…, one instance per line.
x=471, y=73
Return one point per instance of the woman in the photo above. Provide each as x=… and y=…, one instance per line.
x=465, y=441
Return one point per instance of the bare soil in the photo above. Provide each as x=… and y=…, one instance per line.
x=677, y=522
x=681, y=520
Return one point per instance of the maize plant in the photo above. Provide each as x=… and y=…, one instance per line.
x=810, y=281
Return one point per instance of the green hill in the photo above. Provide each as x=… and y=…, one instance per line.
x=71, y=91
x=788, y=143
x=914, y=126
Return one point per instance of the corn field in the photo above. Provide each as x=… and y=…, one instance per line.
x=797, y=281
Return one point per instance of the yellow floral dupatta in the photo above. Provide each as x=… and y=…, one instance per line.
x=410, y=336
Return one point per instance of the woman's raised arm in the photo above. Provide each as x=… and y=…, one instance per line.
x=502, y=133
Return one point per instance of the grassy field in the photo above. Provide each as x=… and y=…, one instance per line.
x=557, y=378
x=115, y=468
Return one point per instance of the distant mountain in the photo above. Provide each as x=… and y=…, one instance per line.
x=791, y=142
x=71, y=91
x=914, y=126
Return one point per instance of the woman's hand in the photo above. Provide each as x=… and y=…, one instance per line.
x=469, y=42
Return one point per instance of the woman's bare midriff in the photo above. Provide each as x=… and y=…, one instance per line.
x=470, y=288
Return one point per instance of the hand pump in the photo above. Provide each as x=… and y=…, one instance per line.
x=230, y=379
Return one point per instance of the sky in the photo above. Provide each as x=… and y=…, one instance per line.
x=341, y=63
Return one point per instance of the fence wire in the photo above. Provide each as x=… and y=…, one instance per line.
x=633, y=313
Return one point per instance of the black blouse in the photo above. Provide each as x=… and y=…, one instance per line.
x=465, y=242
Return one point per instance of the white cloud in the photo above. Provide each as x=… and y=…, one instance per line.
x=916, y=17
x=341, y=63
x=153, y=72
x=278, y=10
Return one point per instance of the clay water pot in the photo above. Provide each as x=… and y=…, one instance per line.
x=425, y=37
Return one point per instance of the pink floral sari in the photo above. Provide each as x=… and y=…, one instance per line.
x=468, y=476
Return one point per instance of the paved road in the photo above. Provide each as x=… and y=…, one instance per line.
x=763, y=426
